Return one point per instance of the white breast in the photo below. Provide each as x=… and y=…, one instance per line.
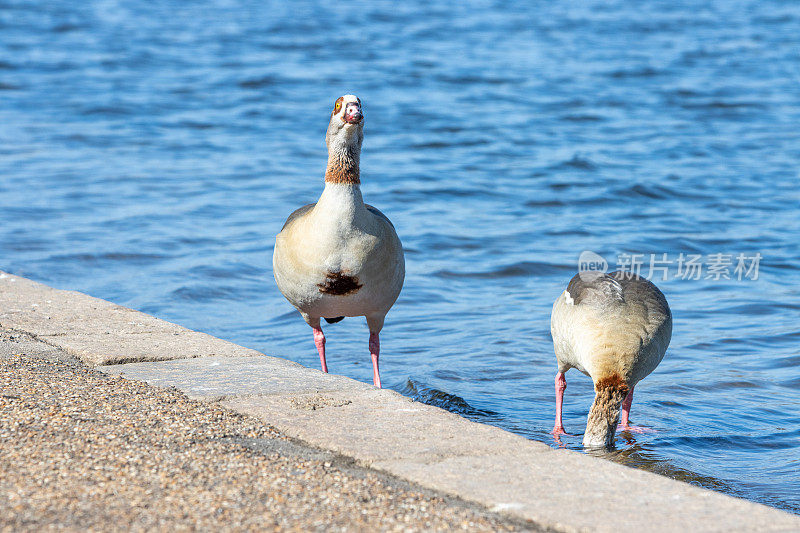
x=340, y=258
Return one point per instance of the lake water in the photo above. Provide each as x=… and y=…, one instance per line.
x=149, y=152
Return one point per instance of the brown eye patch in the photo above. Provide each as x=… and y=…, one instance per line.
x=338, y=105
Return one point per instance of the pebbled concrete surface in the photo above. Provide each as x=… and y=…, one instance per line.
x=381, y=429
x=86, y=451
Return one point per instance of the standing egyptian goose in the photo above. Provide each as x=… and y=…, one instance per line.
x=341, y=257
x=615, y=328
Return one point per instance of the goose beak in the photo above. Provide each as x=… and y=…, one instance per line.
x=352, y=114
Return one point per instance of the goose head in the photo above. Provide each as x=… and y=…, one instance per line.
x=346, y=127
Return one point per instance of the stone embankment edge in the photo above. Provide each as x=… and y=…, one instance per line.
x=381, y=429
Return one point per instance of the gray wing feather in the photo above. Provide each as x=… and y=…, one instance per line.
x=599, y=289
x=595, y=287
x=375, y=211
x=298, y=213
x=637, y=288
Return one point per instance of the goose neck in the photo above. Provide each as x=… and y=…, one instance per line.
x=343, y=163
x=601, y=425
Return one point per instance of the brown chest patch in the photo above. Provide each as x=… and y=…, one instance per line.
x=339, y=284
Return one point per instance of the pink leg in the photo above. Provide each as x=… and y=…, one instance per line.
x=375, y=351
x=561, y=386
x=626, y=409
x=319, y=340
x=625, y=416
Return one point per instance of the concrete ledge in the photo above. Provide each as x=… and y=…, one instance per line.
x=100, y=332
x=217, y=378
x=560, y=489
x=381, y=429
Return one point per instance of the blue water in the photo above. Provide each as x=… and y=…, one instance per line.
x=149, y=152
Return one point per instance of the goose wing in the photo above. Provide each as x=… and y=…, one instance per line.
x=297, y=214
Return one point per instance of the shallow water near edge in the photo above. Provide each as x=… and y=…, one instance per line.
x=150, y=153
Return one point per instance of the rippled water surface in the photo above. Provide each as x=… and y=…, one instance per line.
x=149, y=152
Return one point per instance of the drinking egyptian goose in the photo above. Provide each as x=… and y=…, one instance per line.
x=615, y=328
x=341, y=257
